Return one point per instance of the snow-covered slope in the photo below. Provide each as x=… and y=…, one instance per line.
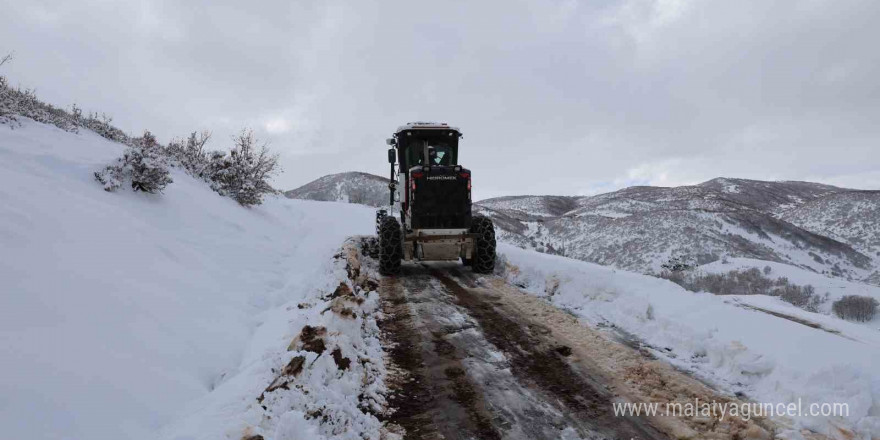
x=768, y=197
x=768, y=358
x=137, y=316
x=352, y=187
x=537, y=206
x=639, y=228
x=830, y=288
x=852, y=217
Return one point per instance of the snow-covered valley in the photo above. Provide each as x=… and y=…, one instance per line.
x=183, y=315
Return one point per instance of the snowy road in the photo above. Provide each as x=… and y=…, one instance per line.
x=474, y=366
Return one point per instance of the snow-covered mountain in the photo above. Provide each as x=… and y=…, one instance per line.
x=639, y=228
x=852, y=217
x=820, y=228
x=353, y=187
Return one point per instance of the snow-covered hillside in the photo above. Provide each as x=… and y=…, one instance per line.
x=829, y=288
x=138, y=316
x=640, y=228
x=851, y=217
x=352, y=187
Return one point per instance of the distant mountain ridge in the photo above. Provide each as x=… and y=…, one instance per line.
x=821, y=228
x=352, y=187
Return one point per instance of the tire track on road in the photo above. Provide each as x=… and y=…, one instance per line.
x=536, y=359
x=434, y=397
x=468, y=369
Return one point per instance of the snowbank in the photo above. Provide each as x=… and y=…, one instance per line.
x=768, y=358
x=121, y=312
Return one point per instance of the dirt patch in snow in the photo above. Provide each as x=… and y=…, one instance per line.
x=342, y=362
x=332, y=377
x=290, y=371
x=309, y=339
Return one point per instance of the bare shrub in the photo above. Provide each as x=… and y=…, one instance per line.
x=855, y=308
x=103, y=126
x=797, y=295
x=143, y=165
x=7, y=102
x=751, y=281
x=358, y=195
x=190, y=153
x=17, y=102
x=244, y=173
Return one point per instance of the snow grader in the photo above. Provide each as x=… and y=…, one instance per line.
x=431, y=193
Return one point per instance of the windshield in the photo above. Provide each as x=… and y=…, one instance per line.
x=440, y=153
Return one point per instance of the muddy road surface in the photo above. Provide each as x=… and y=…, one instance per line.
x=474, y=367
x=472, y=357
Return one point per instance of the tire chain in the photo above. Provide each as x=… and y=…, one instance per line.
x=484, y=252
x=390, y=246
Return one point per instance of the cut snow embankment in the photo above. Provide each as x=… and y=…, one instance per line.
x=769, y=359
x=130, y=315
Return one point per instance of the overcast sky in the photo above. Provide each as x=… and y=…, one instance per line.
x=555, y=97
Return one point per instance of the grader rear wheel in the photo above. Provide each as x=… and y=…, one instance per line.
x=484, y=245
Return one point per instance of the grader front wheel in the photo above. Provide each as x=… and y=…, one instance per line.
x=390, y=246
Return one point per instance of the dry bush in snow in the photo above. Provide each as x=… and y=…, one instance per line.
x=6, y=104
x=100, y=124
x=17, y=102
x=855, y=308
x=143, y=165
x=190, y=153
x=747, y=282
x=244, y=172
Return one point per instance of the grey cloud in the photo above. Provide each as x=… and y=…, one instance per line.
x=553, y=97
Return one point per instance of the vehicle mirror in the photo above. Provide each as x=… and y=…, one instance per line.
x=392, y=156
x=390, y=141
